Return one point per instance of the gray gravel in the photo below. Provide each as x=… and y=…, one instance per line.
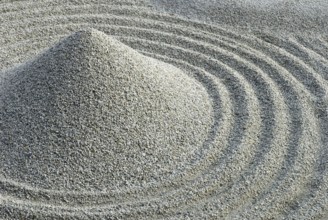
x=90, y=113
x=286, y=16
x=227, y=120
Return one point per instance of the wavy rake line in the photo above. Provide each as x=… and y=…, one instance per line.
x=317, y=59
x=245, y=147
x=238, y=52
x=298, y=68
x=316, y=44
x=8, y=7
x=202, y=180
x=304, y=89
x=30, y=15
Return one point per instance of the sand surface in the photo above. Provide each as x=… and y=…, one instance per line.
x=163, y=110
x=275, y=16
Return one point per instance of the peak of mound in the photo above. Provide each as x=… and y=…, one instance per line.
x=92, y=113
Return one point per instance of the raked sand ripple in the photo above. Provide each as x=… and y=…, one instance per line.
x=266, y=153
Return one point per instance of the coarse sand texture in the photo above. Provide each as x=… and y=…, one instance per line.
x=91, y=113
x=159, y=109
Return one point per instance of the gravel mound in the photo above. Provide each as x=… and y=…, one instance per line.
x=91, y=113
x=227, y=120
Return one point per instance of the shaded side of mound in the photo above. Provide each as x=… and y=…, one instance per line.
x=92, y=113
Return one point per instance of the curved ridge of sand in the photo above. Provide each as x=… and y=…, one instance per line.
x=90, y=113
x=265, y=153
x=286, y=16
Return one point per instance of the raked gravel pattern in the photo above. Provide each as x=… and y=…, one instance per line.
x=90, y=114
x=264, y=155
